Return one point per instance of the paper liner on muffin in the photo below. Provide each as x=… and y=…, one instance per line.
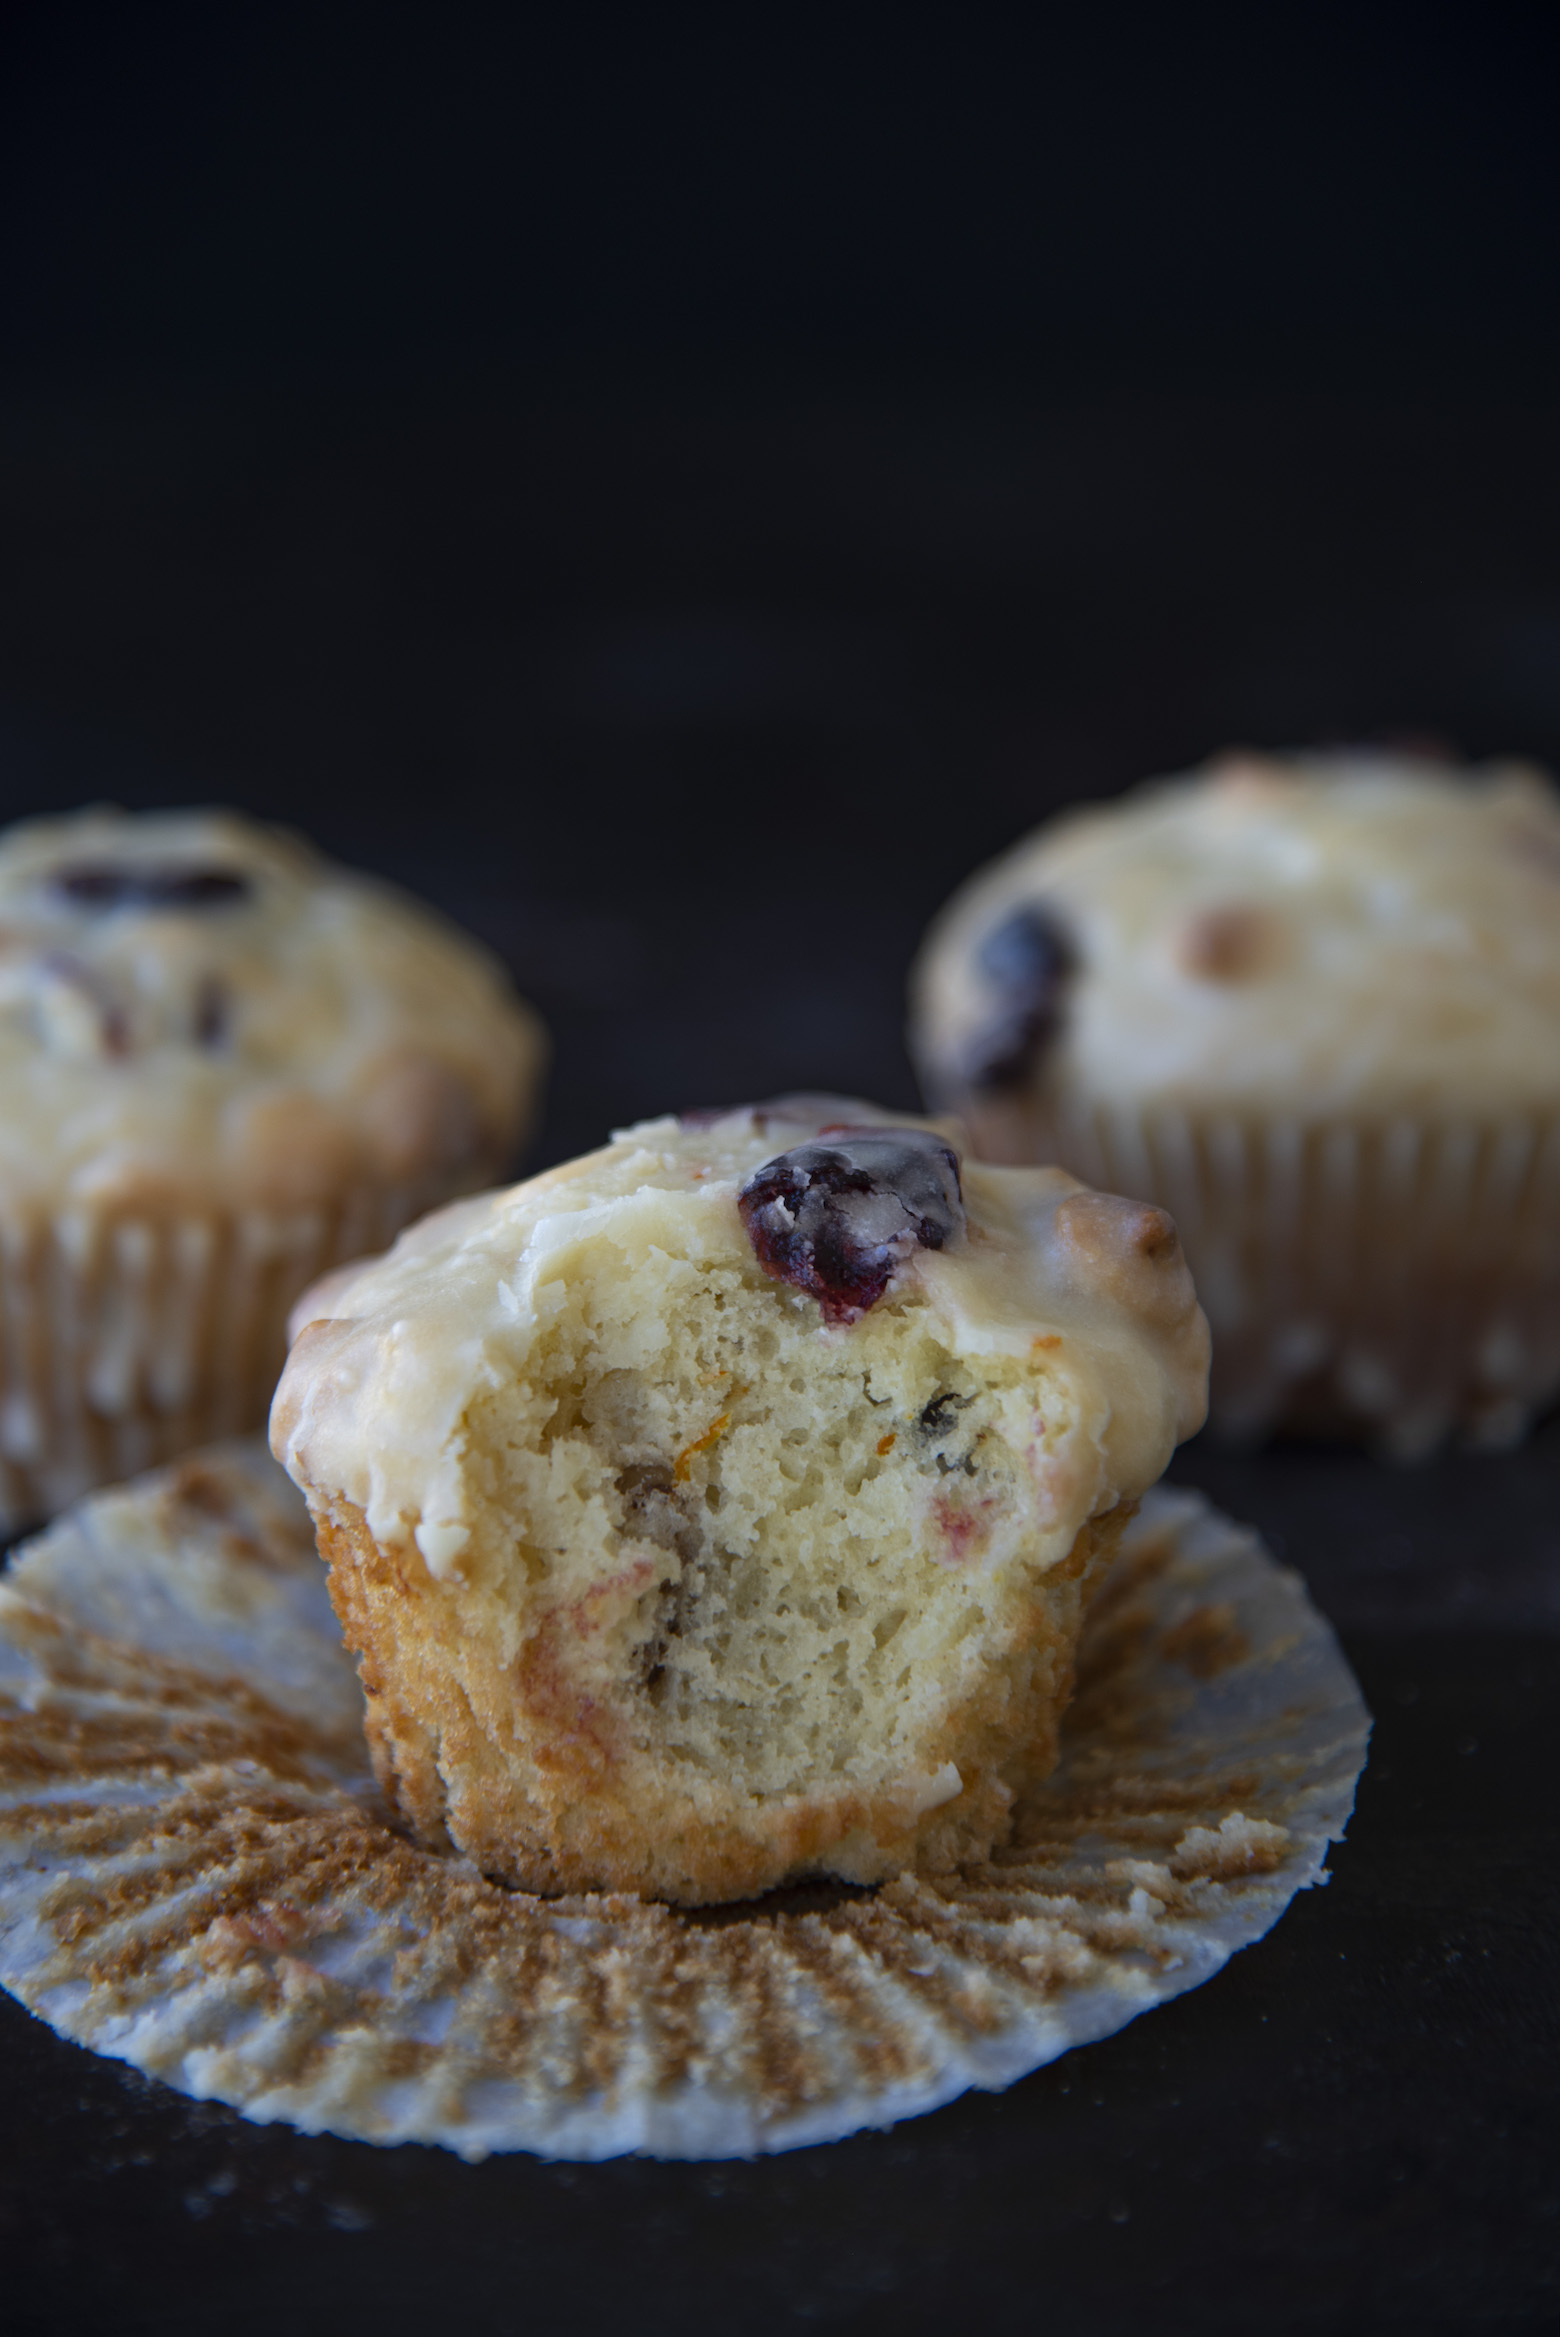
x=196, y=1876
x=1398, y=1275
x=227, y=1066
x=127, y=1339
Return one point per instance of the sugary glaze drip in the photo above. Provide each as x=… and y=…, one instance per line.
x=837, y=1217
x=376, y=1418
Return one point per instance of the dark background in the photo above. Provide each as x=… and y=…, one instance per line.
x=681, y=487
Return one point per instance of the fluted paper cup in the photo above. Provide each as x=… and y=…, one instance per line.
x=1398, y=1277
x=126, y=1339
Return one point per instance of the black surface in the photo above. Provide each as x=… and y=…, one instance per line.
x=1354, y=2126
x=696, y=710
x=680, y=491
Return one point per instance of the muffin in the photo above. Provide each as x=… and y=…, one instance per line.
x=225, y=1065
x=721, y=1508
x=1312, y=1006
x=208, y=1890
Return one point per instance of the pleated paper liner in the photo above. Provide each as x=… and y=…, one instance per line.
x=1399, y=1276
x=196, y=1875
x=126, y=1340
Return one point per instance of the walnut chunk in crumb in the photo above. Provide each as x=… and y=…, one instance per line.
x=1132, y=1252
x=1243, y=776
x=1232, y=944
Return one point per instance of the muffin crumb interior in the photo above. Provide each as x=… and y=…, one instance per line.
x=790, y=1540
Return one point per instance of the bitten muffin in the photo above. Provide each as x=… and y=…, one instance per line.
x=1311, y=1005
x=225, y=1065
x=721, y=1508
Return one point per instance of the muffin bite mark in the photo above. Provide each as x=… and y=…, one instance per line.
x=753, y=1573
x=737, y=1586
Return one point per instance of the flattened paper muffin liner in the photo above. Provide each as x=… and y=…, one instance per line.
x=125, y=1340
x=1402, y=1276
x=196, y=1875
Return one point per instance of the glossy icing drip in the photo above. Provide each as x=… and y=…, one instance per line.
x=389, y=1359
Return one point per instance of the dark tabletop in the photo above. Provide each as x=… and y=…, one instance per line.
x=696, y=702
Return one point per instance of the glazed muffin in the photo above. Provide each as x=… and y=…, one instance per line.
x=225, y=1065
x=1311, y=1005
x=722, y=1508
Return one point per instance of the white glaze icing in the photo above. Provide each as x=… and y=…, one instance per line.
x=1313, y=933
x=265, y=1050
x=388, y=1359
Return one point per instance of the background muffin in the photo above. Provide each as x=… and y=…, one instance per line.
x=722, y=1507
x=1312, y=1006
x=224, y=1066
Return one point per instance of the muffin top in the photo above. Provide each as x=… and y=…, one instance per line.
x=845, y=1216
x=198, y=1011
x=1306, y=934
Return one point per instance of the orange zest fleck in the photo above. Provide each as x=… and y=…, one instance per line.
x=887, y=1443
x=716, y=1430
x=1038, y=1346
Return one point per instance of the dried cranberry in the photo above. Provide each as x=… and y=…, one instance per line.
x=837, y=1218
x=212, y=1011
x=108, y=884
x=1026, y=962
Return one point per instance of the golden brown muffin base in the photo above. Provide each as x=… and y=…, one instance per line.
x=546, y=1789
